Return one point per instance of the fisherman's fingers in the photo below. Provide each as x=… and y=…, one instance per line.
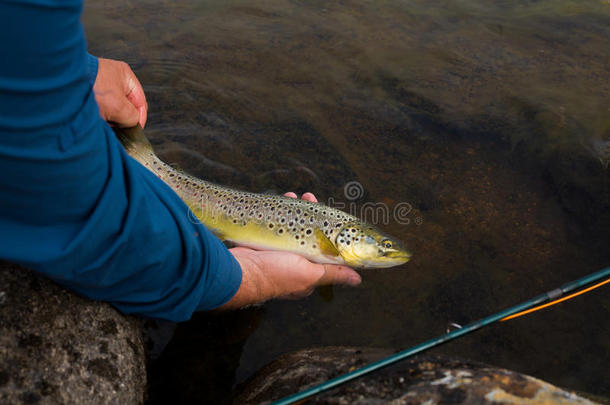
x=136, y=96
x=309, y=197
x=306, y=196
x=337, y=274
x=124, y=113
x=298, y=295
x=119, y=94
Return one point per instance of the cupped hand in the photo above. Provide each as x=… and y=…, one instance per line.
x=119, y=95
x=271, y=274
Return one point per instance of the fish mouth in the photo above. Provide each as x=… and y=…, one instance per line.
x=398, y=255
x=389, y=259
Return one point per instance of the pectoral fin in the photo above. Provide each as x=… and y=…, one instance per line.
x=326, y=246
x=196, y=215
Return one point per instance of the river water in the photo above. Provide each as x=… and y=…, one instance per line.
x=479, y=130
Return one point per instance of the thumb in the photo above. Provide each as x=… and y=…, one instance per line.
x=335, y=274
x=125, y=114
x=137, y=98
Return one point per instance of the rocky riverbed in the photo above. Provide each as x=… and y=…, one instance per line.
x=58, y=348
x=420, y=380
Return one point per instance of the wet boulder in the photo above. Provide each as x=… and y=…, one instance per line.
x=422, y=379
x=58, y=348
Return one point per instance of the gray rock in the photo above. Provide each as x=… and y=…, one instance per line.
x=59, y=348
x=423, y=379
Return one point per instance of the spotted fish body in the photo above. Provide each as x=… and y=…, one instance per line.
x=260, y=221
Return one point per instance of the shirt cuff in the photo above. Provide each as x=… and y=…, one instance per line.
x=92, y=66
x=227, y=277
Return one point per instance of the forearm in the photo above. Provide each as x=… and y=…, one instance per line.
x=254, y=287
x=73, y=205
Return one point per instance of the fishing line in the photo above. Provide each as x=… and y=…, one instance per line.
x=550, y=298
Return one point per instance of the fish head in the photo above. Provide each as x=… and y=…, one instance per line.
x=364, y=246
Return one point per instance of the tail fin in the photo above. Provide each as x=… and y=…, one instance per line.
x=133, y=139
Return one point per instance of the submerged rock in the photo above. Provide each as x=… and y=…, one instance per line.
x=58, y=348
x=423, y=379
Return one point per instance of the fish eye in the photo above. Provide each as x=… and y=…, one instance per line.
x=387, y=244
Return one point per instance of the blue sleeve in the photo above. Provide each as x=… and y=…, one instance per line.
x=73, y=205
x=92, y=66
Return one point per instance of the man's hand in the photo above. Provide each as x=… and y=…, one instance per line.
x=268, y=274
x=119, y=95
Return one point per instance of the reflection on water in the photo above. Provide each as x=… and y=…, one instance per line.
x=491, y=119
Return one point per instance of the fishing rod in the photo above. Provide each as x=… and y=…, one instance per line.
x=550, y=297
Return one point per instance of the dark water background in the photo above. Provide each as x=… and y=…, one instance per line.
x=491, y=119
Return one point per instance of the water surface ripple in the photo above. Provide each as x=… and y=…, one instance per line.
x=491, y=119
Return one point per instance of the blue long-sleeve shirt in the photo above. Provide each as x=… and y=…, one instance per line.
x=73, y=205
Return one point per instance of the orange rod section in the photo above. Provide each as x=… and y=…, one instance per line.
x=557, y=301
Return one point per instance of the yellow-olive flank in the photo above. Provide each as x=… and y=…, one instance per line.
x=260, y=221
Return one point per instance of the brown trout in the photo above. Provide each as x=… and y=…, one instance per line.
x=269, y=222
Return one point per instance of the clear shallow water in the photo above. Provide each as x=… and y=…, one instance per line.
x=491, y=120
